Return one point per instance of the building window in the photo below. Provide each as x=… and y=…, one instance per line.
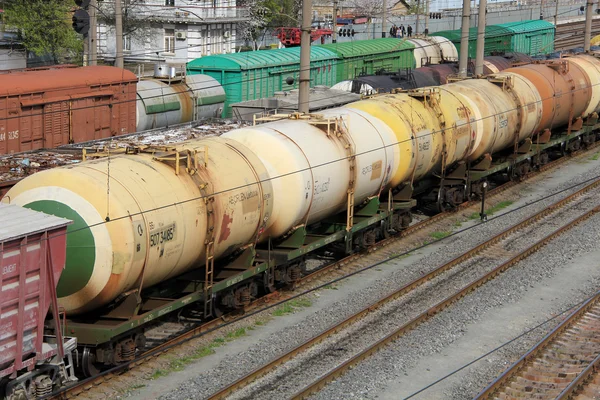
x=126, y=42
x=170, y=41
x=170, y=3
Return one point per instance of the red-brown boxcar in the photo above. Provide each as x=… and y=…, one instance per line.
x=50, y=108
x=32, y=257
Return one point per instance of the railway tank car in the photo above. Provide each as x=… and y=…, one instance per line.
x=259, y=200
x=428, y=75
x=168, y=99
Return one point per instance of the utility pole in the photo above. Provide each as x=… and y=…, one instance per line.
x=93, y=35
x=556, y=15
x=541, y=9
x=305, y=57
x=418, y=12
x=384, y=18
x=335, y=10
x=464, y=39
x=427, y=17
x=119, y=33
x=587, y=37
x=481, y=22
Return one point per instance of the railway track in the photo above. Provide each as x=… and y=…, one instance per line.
x=334, y=271
x=571, y=34
x=340, y=340
x=565, y=364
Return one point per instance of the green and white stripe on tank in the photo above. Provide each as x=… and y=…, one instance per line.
x=89, y=247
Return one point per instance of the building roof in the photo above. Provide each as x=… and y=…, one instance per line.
x=17, y=222
x=258, y=59
x=361, y=48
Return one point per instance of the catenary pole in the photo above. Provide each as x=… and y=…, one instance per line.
x=305, y=57
x=464, y=39
x=587, y=37
x=119, y=34
x=481, y=22
x=93, y=34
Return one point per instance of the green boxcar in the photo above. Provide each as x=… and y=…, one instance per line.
x=497, y=39
x=531, y=37
x=257, y=74
x=369, y=56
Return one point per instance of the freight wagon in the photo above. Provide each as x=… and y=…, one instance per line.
x=32, y=258
x=259, y=74
x=222, y=220
x=49, y=108
x=430, y=75
x=534, y=37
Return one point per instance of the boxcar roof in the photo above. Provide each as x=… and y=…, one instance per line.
x=361, y=48
x=17, y=222
x=258, y=59
x=53, y=79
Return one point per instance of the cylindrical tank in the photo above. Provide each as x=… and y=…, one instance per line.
x=162, y=104
x=425, y=52
x=500, y=125
x=495, y=64
x=591, y=66
x=447, y=49
x=442, y=71
x=564, y=89
x=158, y=220
x=426, y=123
x=311, y=170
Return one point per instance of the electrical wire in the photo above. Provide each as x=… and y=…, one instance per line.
x=514, y=339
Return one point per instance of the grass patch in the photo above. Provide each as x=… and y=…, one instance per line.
x=439, y=235
x=291, y=306
x=595, y=156
x=236, y=334
x=259, y=323
x=457, y=224
x=330, y=287
x=158, y=373
x=493, y=209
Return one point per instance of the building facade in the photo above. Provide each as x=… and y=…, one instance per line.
x=171, y=30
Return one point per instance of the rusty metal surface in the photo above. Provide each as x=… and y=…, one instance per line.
x=559, y=365
x=26, y=295
x=559, y=83
x=46, y=109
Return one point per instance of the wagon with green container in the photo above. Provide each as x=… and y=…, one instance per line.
x=259, y=74
x=366, y=57
x=497, y=39
x=531, y=37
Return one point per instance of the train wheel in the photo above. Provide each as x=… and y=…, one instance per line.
x=88, y=363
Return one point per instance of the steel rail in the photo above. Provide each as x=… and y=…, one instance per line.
x=322, y=381
x=533, y=353
x=272, y=365
x=581, y=380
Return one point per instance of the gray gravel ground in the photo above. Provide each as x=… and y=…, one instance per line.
x=396, y=371
x=293, y=376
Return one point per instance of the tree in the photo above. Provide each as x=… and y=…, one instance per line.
x=45, y=27
x=266, y=15
x=136, y=17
